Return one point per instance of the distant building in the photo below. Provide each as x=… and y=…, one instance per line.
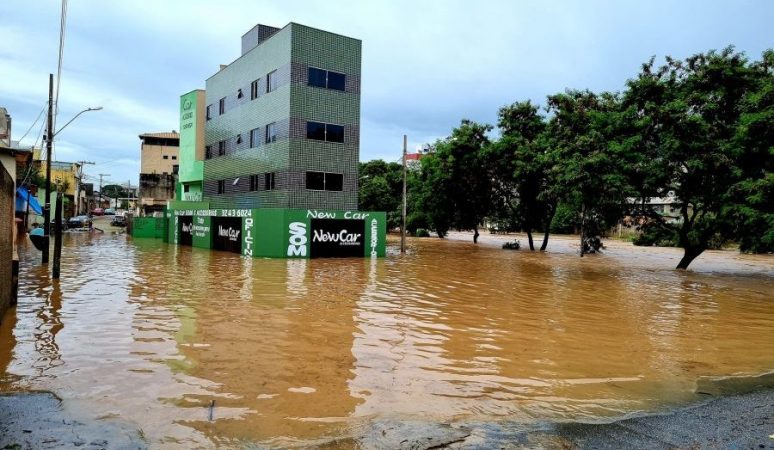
x=159, y=165
x=5, y=128
x=159, y=153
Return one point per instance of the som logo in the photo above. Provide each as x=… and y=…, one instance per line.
x=297, y=240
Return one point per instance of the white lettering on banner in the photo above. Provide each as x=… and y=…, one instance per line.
x=297, y=239
x=374, y=236
x=187, y=227
x=229, y=232
x=342, y=237
x=355, y=215
x=314, y=214
x=248, y=237
x=176, y=219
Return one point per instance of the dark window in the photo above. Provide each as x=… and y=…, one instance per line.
x=221, y=148
x=239, y=93
x=254, y=90
x=207, y=151
x=222, y=106
x=269, y=181
x=165, y=157
x=315, y=181
x=322, y=181
x=334, y=133
x=315, y=130
x=336, y=81
x=174, y=157
x=271, y=81
x=221, y=186
x=209, y=112
x=324, y=132
x=254, y=137
x=186, y=187
x=253, y=183
x=175, y=169
x=317, y=77
x=239, y=139
x=271, y=132
x=334, y=182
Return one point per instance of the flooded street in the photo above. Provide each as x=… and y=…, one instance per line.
x=298, y=352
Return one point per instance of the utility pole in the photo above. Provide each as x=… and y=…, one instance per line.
x=49, y=141
x=403, y=223
x=57, y=237
x=100, y=188
x=78, y=179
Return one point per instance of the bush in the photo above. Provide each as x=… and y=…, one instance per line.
x=512, y=245
x=657, y=236
x=421, y=232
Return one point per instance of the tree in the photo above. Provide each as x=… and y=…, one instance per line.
x=432, y=199
x=114, y=191
x=520, y=162
x=381, y=189
x=694, y=108
x=587, y=169
x=459, y=168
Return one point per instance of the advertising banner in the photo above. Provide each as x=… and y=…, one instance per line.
x=227, y=234
x=185, y=230
x=337, y=238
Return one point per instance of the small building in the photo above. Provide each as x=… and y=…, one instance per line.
x=159, y=165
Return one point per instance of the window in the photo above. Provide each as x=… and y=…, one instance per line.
x=323, y=181
x=271, y=132
x=186, y=187
x=239, y=139
x=255, y=138
x=221, y=186
x=327, y=79
x=325, y=132
x=269, y=181
x=165, y=156
x=239, y=93
x=207, y=151
x=221, y=148
x=222, y=106
x=174, y=157
x=254, y=90
x=176, y=169
x=271, y=81
x=209, y=112
x=253, y=183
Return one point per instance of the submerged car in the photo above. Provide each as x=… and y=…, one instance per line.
x=110, y=212
x=118, y=221
x=79, y=222
x=97, y=212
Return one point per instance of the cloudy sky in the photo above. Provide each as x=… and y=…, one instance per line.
x=426, y=64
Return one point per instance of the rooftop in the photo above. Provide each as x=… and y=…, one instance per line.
x=163, y=135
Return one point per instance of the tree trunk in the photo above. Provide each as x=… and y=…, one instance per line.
x=547, y=226
x=582, y=228
x=529, y=238
x=475, y=235
x=690, y=254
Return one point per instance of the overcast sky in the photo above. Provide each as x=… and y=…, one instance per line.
x=426, y=64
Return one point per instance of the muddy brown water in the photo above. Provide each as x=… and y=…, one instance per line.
x=297, y=352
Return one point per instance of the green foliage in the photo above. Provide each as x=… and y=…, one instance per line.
x=566, y=220
x=658, y=236
x=381, y=189
x=421, y=232
x=515, y=245
x=114, y=191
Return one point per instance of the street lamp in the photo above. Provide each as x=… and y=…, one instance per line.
x=98, y=108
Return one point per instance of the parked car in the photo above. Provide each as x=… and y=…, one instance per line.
x=118, y=221
x=110, y=212
x=98, y=212
x=79, y=222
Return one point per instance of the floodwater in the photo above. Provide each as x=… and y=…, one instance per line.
x=297, y=352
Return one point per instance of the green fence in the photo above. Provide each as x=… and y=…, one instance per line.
x=149, y=227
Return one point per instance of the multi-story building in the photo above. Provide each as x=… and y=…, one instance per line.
x=282, y=122
x=159, y=152
x=159, y=165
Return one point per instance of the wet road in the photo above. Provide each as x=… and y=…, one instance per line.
x=297, y=352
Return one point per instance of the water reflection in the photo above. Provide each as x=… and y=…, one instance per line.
x=297, y=351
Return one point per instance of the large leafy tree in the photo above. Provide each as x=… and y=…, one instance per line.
x=381, y=186
x=693, y=108
x=519, y=162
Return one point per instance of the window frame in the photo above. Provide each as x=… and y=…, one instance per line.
x=222, y=106
x=254, y=183
x=221, y=187
x=325, y=181
x=208, y=113
x=270, y=181
x=325, y=133
x=269, y=80
x=221, y=148
x=327, y=79
x=269, y=138
x=255, y=138
x=254, y=89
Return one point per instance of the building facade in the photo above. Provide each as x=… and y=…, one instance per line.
x=159, y=152
x=282, y=122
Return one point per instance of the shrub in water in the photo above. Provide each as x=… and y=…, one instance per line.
x=512, y=245
x=421, y=232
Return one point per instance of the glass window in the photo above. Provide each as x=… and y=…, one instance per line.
x=271, y=81
x=334, y=133
x=165, y=157
x=315, y=181
x=174, y=157
x=207, y=152
x=271, y=132
x=253, y=182
x=254, y=137
x=334, y=182
x=317, y=77
x=221, y=148
x=239, y=93
x=254, y=90
x=222, y=106
x=269, y=181
x=315, y=130
x=239, y=139
x=221, y=186
x=336, y=81
x=209, y=112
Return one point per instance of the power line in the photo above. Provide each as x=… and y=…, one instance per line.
x=33, y=123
